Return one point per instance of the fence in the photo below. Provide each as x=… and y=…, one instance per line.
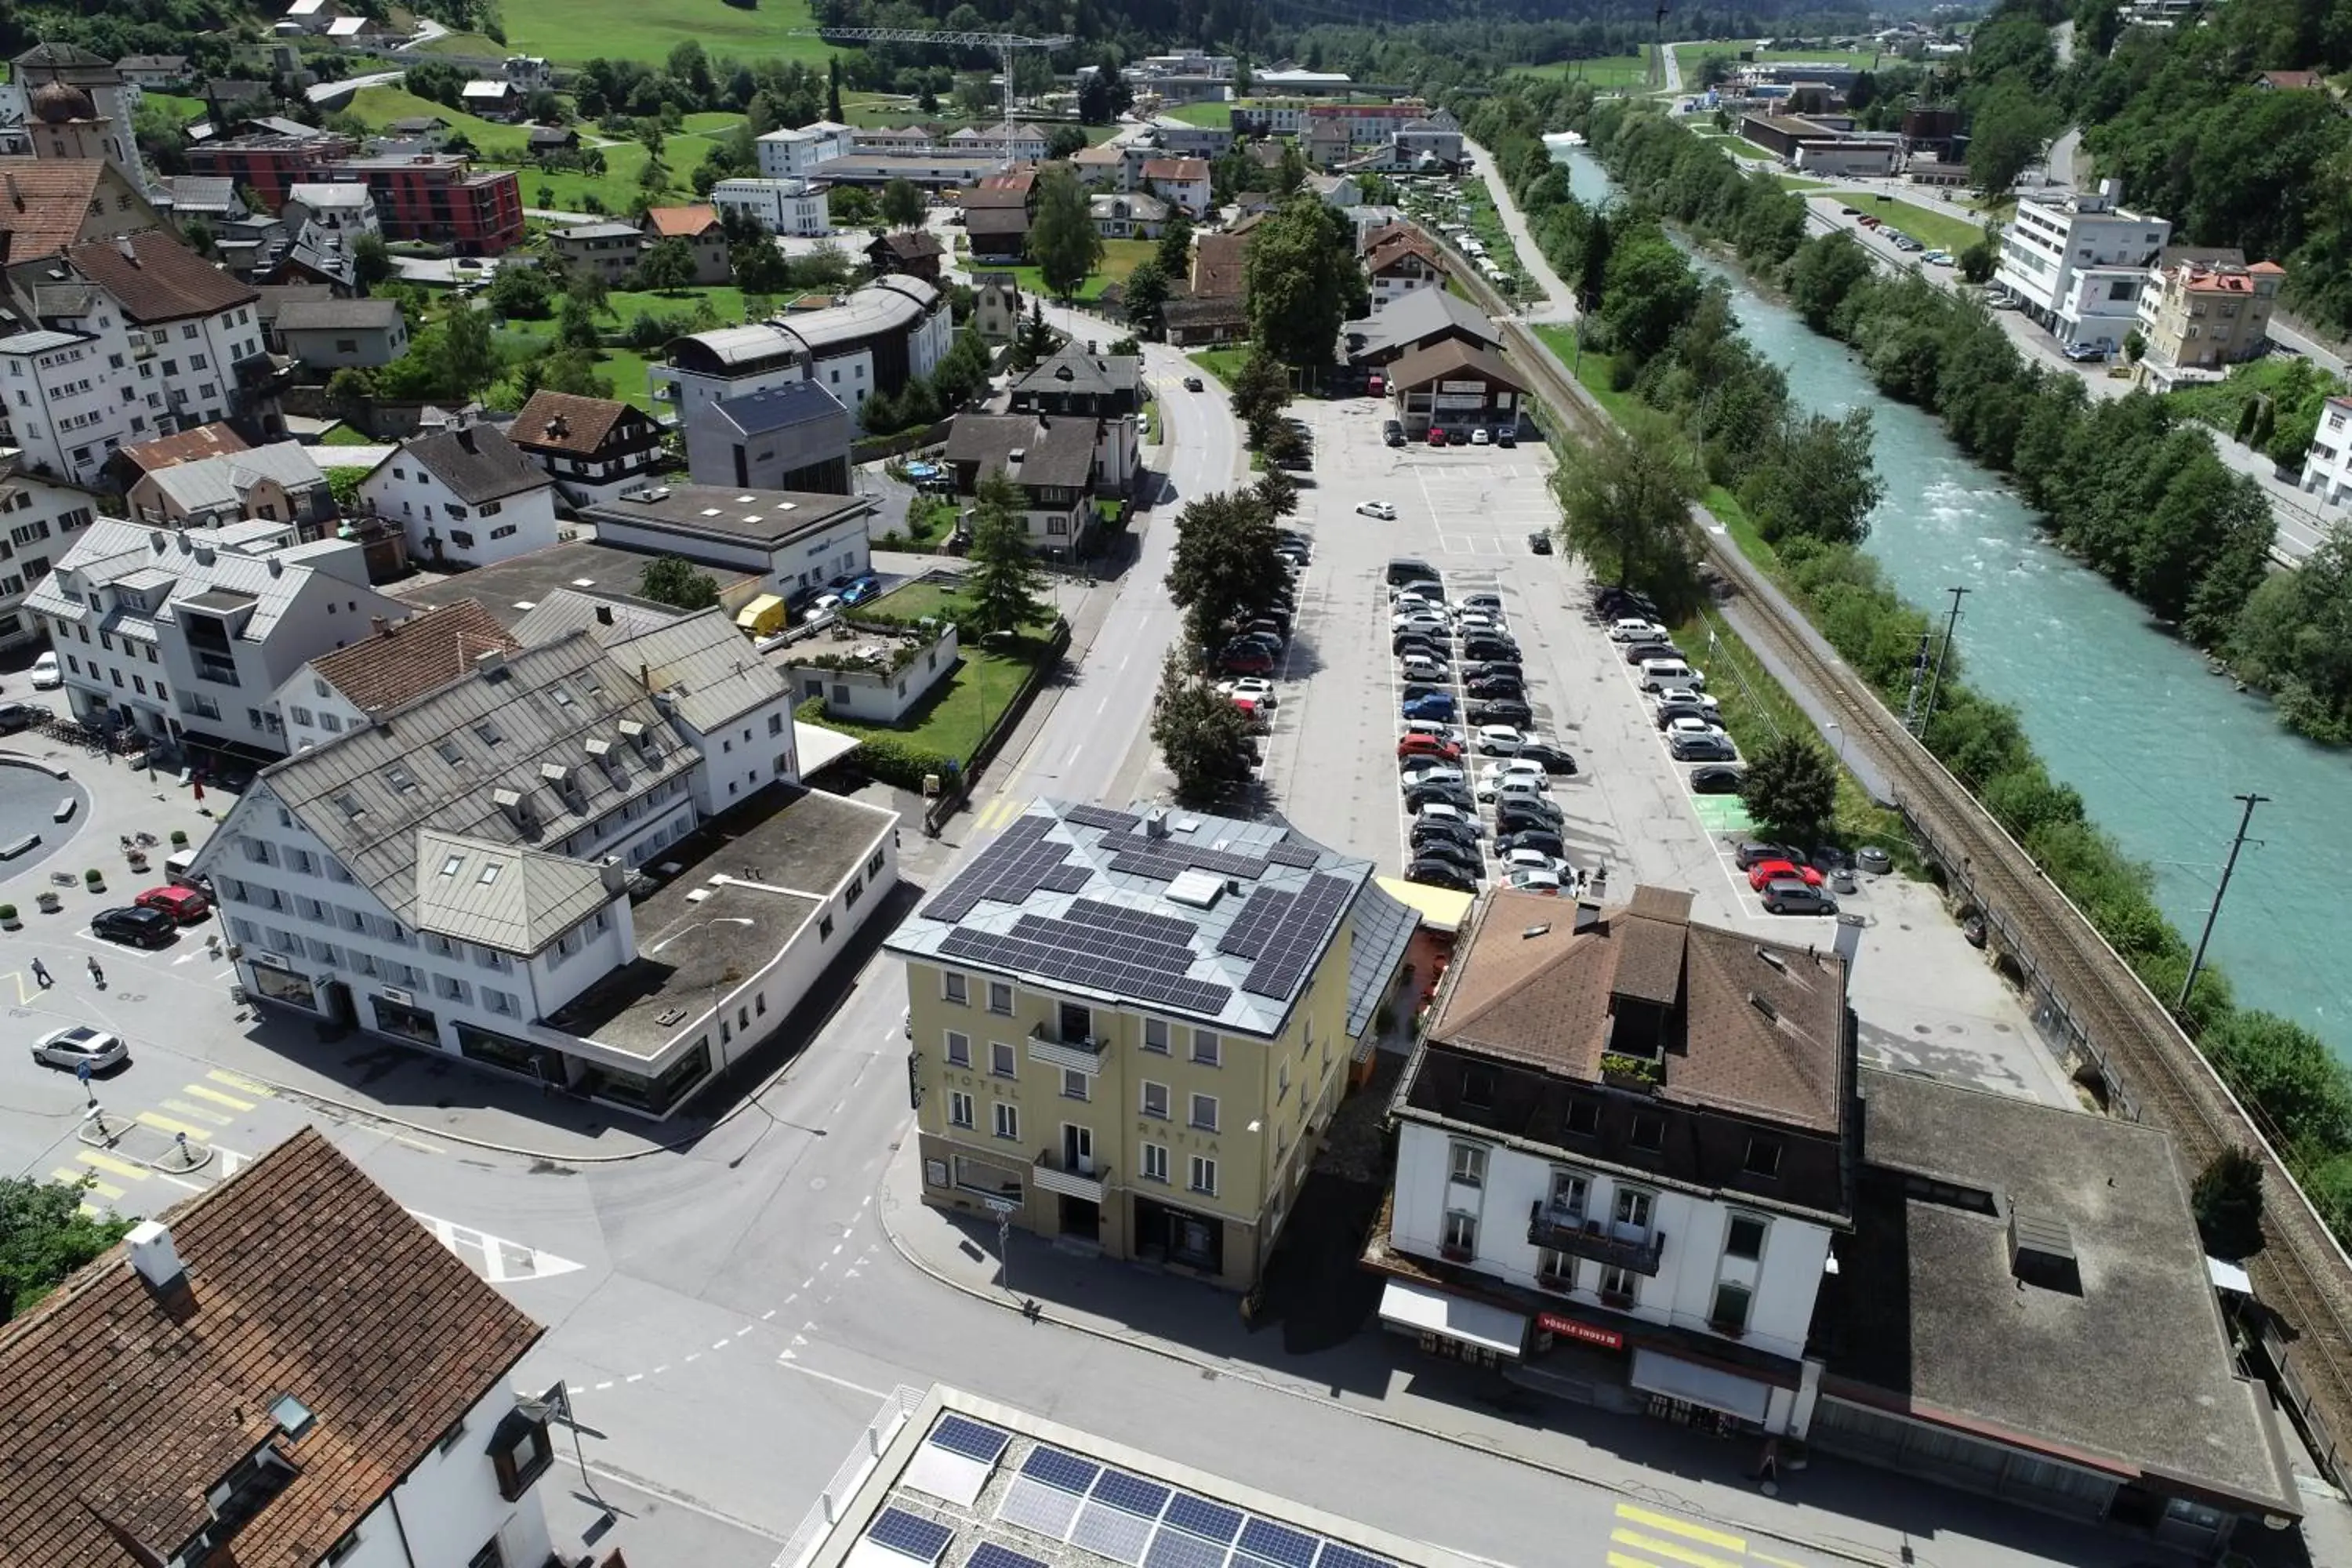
x=959, y=789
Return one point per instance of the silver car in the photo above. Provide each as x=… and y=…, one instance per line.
x=69, y=1048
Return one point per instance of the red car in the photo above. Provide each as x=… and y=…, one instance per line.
x=1428, y=746
x=1436, y=435
x=1246, y=662
x=1764, y=871
x=186, y=905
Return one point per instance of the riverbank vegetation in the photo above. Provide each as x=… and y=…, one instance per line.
x=1657, y=332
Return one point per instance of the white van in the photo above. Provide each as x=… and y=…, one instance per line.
x=1659, y=673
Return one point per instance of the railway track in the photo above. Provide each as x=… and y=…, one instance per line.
x=2303, y=1275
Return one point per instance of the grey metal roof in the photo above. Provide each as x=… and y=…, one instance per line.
x=445, y=762
x=110, y=552
x=337, y=315
x=705, y=664
x=568, y=610
x=1107, y=858
x=1055, y=450
x=1384, y=928
x=598, y=231
x=38, y=343
x=500, y=895
x=203, y=192
x=1425, y=311
x=1072, y=369
x=781, y=407
x=222, y=483
x=477, y=461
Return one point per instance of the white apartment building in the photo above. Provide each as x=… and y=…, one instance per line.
x=67, y=409
x=1625, y=1134
x=37, y=520
x=2328, y=463
x=465, y=494
x=341, y=208
x=2078, y=265
x=794, y=154
x=186, y=634
x=881, y=337
x=780, y=206
x=396, y=663
x=459, y=875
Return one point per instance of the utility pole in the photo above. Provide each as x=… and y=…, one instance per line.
x=2220, y=893
x=1936, y=680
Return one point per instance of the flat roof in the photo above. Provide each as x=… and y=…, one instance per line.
x=511, y=589
x=2133, y=1375
x=968, y=1480
x=757, y=875
x=726, y=513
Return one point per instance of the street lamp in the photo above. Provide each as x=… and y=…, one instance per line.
x=1840, y=741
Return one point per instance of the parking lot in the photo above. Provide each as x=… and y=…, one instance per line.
x=1927, y=1000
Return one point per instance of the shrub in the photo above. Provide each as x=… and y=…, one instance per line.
x=93, y=877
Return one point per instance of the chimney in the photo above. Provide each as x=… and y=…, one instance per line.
x=603, y=615
x=1155, y=823
x=154, y=1257
x=161, y=541
x=490, y=661
x=15, y=196
x=465, y=435
x=383, y=627
x=614, y=874
x=129, y=252
x=277, y=567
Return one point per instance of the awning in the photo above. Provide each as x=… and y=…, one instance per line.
x=1439, y=909
x=1696, y=1384
x=816, y=746
x=1425, y=1311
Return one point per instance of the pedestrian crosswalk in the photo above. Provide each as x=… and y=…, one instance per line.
x=112, y=1181
x=1645, y=1538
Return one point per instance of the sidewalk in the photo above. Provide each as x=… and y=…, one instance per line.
x=1559, y=299
x=1835, y=1508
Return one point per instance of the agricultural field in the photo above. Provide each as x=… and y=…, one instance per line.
x=1616, y=72
x=571, y=31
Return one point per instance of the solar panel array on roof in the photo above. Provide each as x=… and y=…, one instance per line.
x=1102, y=816
x=1247, y=937
x=1299, y=856
x=1151, y=953
x=910, y=1535
x=973, y=1439
x=1142, y=922
x=1101, y=972
x=1157, y=866
x=1200, y=858
x=1008, y=871
x=1294, y=943
x=1134, y=1519
x=988, y=1554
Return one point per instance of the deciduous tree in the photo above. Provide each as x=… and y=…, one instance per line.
x=1624, y=500
x=1201, y=734
x=675, y=580
x=1063, y=240
x=666, y=266
x=1817, y=481
x=2227, y=1199
x=902, y=204
x=1146, y=297
x=1303, y=281
x=1224, y=562
x=1790, y=787
x=44, y=1237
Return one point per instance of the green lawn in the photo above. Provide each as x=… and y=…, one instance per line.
x=380, y=105
x=1226, y=364
x=1798, y=182
x=924, y=596
x=962, y=708
x=181, y=108
x=478, y=45
x=711, y=123
x=1213, y=116
x=1614, y=71
x=1120, y=258
x=345, y=435
x=576, y=30
x=1937, y=230
x=617, y=187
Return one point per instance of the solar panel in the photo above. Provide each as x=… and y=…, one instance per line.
x=1210, y=1521
x=1245, y=938
x=1338, y=1554
x=1132, y=1493
x=1160, y=868
x=909, y=1534
x=973, y=1439
x=1102, y=816
x=1132, y=947
x=1009, y=870
x=1032, y=1505
x=1062, y=1470
x=989, y=1554
x=1097, y=970
x=1174, y=1549
x=1297, y=855
x=1142, y=922
x=1106, y=1531
x=1199, y=857
x=1066, y=878
x=1301, y=934
x=1279, y=1544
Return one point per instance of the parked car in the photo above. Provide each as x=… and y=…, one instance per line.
x=1625, y=604
x=1436, y=705
x=1482, y=436
x=1490, y=649
x=1540, y=541
x=1638, y=654
x=1515, y=786
x=1413, y=688
x=1379, y=509
x=1551, y=758
x=1436, y=435
x=1479, y=669
x=1519, y=815
x=16, y=716
x=47, y=675
x=1440, y=873
x=1765, y=872
x=1192, y=384
x=1428, y=770
x=1431, y=644
x=1500, y=710
x=1528, y=880
x=1500, y=740
x=1506, y=437
x=1392, y=433
x=1715, y=779
x=1453, y=794
x=1673, y=714
x=1537, y=840
x=1686, y=724
x=1420, y=666
x=1789, y=896
x=1504, y=766
x=1754, y=853
x=1247, y=658
x=1526, y=859
x=1464, y=858
x=1453, y=816
x=138, y=927
x=1481, y=601
x=857, y=590
x=1437, y=830
x=1633, y=629
x=70, y=1047
x=1502, y=687
x=1712, y=748
x=1685, y=697
x=2082, y=353
x=185, y=905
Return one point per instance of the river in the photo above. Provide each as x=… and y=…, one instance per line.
x=2126, y=714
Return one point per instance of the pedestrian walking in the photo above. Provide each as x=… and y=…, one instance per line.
x=96, y=975
x=41, y=975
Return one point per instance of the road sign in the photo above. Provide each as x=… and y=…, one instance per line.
x=82, y=1069
x=1003, y=1207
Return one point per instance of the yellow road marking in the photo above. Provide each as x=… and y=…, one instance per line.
x=1670, y=1549
x=182, y=1108
x=168, y=1124
x=94, y=1211
x=1776, y=1562
x=84, y=1180
x=99, y=1160
x=242, y=1085
x=216, y=1097
x=1674, y=1526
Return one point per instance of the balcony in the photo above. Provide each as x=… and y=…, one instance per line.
x=1079, y=1179
x=1075, y=1053
x=1633, y=1250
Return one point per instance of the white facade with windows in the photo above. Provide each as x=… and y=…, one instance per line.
x=2078, y=267
x=444, y=522
x=38, y=522
x=70, y=403
x=789, y=154
x=1726, y=1268
x=780, y=206
x=2327, y=465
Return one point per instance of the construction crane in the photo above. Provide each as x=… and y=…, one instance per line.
x=1004, y=44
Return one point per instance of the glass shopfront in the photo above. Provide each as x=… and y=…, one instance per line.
x=407, y=1021
x=284, y=985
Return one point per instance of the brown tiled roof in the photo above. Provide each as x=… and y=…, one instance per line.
x=157, y=279
x=421, y=654
x=1377, y=259
x=1445, y=360
x=585, y=423
x=1386, y=231
x=1219, y=265
x=685, y=223
x=1180, y=169
x=912, y=244
x=120, y=1407
x=2310, y=81
x=1753, y=1026
x=187, y=446
x=44, y=203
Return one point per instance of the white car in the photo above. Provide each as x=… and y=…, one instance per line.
x=69, y=1048
x=1688, y=726
x=1420, y=666
x=47, y=676
x=1429, y=772
x=1256, y=688
x=1500, y=740
x=1482, y=436
x=1636, y=629
x=1379, y=509
x=1419, y=621
x=1690, y=696
x=1510, y=767
x=1492, y=604
x=1470, y=621
x=1514, y=786
x=1526, y=879
x=1518, y=860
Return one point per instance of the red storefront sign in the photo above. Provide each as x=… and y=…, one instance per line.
x=1553, y=1323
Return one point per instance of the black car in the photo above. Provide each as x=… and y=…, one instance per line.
x=1542, y=840
x=1463, y=858
x=1440, y=874
x=1540, y=541
x=1429, y=643
x=1438, y=830
x=1553, y=759
x=1506, y=437
x=1192, y=384
x=1500, y=710
x=1670, y=712
x=1392, y=433
x=1487, y=648
x=1637, y=654
x=139, y=927
x=15, y=716
x=1480, y=670
x=1702, y=749
x=1755, y=852
x=1453, y=795
x=1715, y=779
x=1495, y=686
x=1624, y=603
x=1513, y=817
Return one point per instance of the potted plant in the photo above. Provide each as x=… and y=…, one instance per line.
x=8, y=920
x=48, y=902
x=94, y=879
x=179, y=838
